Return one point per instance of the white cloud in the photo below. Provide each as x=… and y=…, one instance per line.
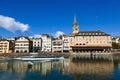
x=12, y=25
x=58, y=33
x=35, y=36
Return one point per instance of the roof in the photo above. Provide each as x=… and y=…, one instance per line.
x=6, y=40
x=22, y=36
x=47, y=35
x=91, y=33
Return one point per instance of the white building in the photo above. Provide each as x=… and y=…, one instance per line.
x=66, y=46
x=37, y=44
x=46, y=43
x=116, y=39
x=23, y=45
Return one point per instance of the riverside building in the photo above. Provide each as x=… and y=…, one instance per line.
x=37, y=44
x=57, y=45
x=23, y=44
x=66, y=42
x=6, y=46
x=46, y=43
x=88, y=41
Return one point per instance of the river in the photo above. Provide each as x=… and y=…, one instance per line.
x=60, y=70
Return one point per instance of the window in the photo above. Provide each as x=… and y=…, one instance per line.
x=89, y=33
x=83, y=33
x=76, y=43
x=25, y=51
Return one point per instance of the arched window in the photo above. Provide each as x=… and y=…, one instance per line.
x=17, y=51
x=25, y=51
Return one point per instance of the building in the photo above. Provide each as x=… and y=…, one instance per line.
x=46, y=43
x=88, y=41
x=0, y=37
x=66, y=42
x=23, y=44
x=6, y=46
x=37, y=44
x=57, y=45
x=116, y=39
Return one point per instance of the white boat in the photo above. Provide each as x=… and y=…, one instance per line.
x=35, y=58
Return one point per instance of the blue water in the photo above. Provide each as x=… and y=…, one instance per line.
x=60, y=70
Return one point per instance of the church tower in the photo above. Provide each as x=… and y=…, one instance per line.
x=75, y=27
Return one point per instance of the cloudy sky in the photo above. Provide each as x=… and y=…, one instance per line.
x=35, y=17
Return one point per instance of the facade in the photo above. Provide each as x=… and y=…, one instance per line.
x=88, y=41
x=37, y=44
x=6, y=46
x=46, y=43
x=116, y=39
x=57, y=45
x=23, y=45
x=66, y=42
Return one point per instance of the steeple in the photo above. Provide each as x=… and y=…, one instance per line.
x=75, y=27
x=75, y=20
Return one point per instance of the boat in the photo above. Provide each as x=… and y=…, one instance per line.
x=36, y=58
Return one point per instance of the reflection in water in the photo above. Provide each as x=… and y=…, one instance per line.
x=63, y=69
x=91, y=68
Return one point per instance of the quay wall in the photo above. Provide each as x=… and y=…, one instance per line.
x=66, y=55
x=13, y=55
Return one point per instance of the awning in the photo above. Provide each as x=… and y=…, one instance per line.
x=95, y=47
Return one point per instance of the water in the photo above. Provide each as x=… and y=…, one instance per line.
x=60, y=70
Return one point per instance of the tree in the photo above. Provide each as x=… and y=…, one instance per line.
x=115, y=45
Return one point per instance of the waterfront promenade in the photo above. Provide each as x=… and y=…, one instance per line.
x=66, y=55
x=13, y=55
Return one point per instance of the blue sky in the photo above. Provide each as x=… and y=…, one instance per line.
x=50, y=16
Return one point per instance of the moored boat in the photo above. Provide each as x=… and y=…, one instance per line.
x=31, y=58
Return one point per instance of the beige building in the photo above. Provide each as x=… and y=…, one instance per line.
x=37, y=44
x=6, y=46
x=88, y=41
x=57, y=45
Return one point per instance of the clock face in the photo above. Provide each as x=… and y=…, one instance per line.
x=75, y=28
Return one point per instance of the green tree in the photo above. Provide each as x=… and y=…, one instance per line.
x=115, y=45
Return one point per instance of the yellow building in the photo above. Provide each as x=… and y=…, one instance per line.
x=88, y=41
x=6, y=46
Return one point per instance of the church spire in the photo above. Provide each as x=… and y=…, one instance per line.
x=75, y=27
x=75, y=20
